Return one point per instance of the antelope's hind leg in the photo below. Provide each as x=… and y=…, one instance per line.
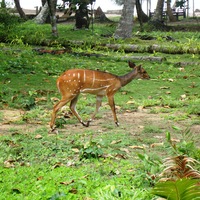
x=74, y=111
x=98, y=105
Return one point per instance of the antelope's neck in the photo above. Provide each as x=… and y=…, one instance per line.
x=127, y=78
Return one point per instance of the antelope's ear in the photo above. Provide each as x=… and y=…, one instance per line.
x=131, y=65
x=139, y=67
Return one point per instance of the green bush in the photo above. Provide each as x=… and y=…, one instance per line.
x=7, y=22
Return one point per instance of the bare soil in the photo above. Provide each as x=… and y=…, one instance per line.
x=130, y=122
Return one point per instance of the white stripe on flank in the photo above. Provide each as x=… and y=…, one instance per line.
x=94, y=89
x=93, y=78
x=78, y=75
x=84, y=77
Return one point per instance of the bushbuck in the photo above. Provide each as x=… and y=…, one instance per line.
x=75, y=81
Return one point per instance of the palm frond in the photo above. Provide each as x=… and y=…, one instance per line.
x=182, y=189
x=180, y=167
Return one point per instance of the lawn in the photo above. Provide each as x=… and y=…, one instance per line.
x=159, y=118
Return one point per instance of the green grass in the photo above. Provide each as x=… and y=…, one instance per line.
x=37, y=165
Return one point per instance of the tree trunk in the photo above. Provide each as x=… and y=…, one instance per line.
x=158, y=15
x=52, y=10
x=172, y=18
x=43, y=14
x=141, y=15
x=100, y=16
x=19, y=9
x=125, y=27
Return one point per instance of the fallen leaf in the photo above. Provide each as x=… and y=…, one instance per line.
x=38, y=136
x=171, y=80
x=156, y=145
x=67, y=183
x=130, y=102
x=125, y=150
x=58, y=164
x=73, y=191
x=140, y=108
x=183, y=96
x=75, y=150
x=40, y=99
x=164, y=87
x=181, y=69
x=124, y=93
x=9, y=163
x=39, y=178
x=136, y=147
x=168, y=92
x=115, y=141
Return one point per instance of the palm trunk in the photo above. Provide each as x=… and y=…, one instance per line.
x=172, y=18
x=43, y=14
x=19, y=9
x=124, y=29
x=52, y=10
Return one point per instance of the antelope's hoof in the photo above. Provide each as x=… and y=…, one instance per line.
x=86, y=124
x=53, y=130
x=117, y=123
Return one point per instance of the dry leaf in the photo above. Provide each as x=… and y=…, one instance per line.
x=181, y=69
x=140, y=108
x=59, y=164
x=168, y=92
x=164, y=87
x=156, y=145
x=136, y=147
x=67, y=183
x=75, y=150
x=171, y=80
x=40, y=99
x=130, y=102
x=115, y=141
x=54, y=99
x=9, y=163
x=183, y=96
x=39, y=178
x=125, y=150
x=38, y=136
x=73, y=191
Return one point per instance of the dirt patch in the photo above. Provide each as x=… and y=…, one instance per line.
x=130, y=122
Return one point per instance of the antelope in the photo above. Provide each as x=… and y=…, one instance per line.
x=75, y=81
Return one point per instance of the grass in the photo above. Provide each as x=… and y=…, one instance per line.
x=102, y=161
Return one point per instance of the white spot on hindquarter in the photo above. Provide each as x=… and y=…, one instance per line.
x=78, y=75
x=74, y=74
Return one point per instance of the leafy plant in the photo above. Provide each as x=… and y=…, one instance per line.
x=182, y=189
x=90, y=150
x=181, y=180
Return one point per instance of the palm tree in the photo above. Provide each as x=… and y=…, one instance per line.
x=124, y=29
x=172, y=18
x=19, y=9
x=158, y=15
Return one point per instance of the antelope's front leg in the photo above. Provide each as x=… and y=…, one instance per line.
x=56, y=108
x=112, y=105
